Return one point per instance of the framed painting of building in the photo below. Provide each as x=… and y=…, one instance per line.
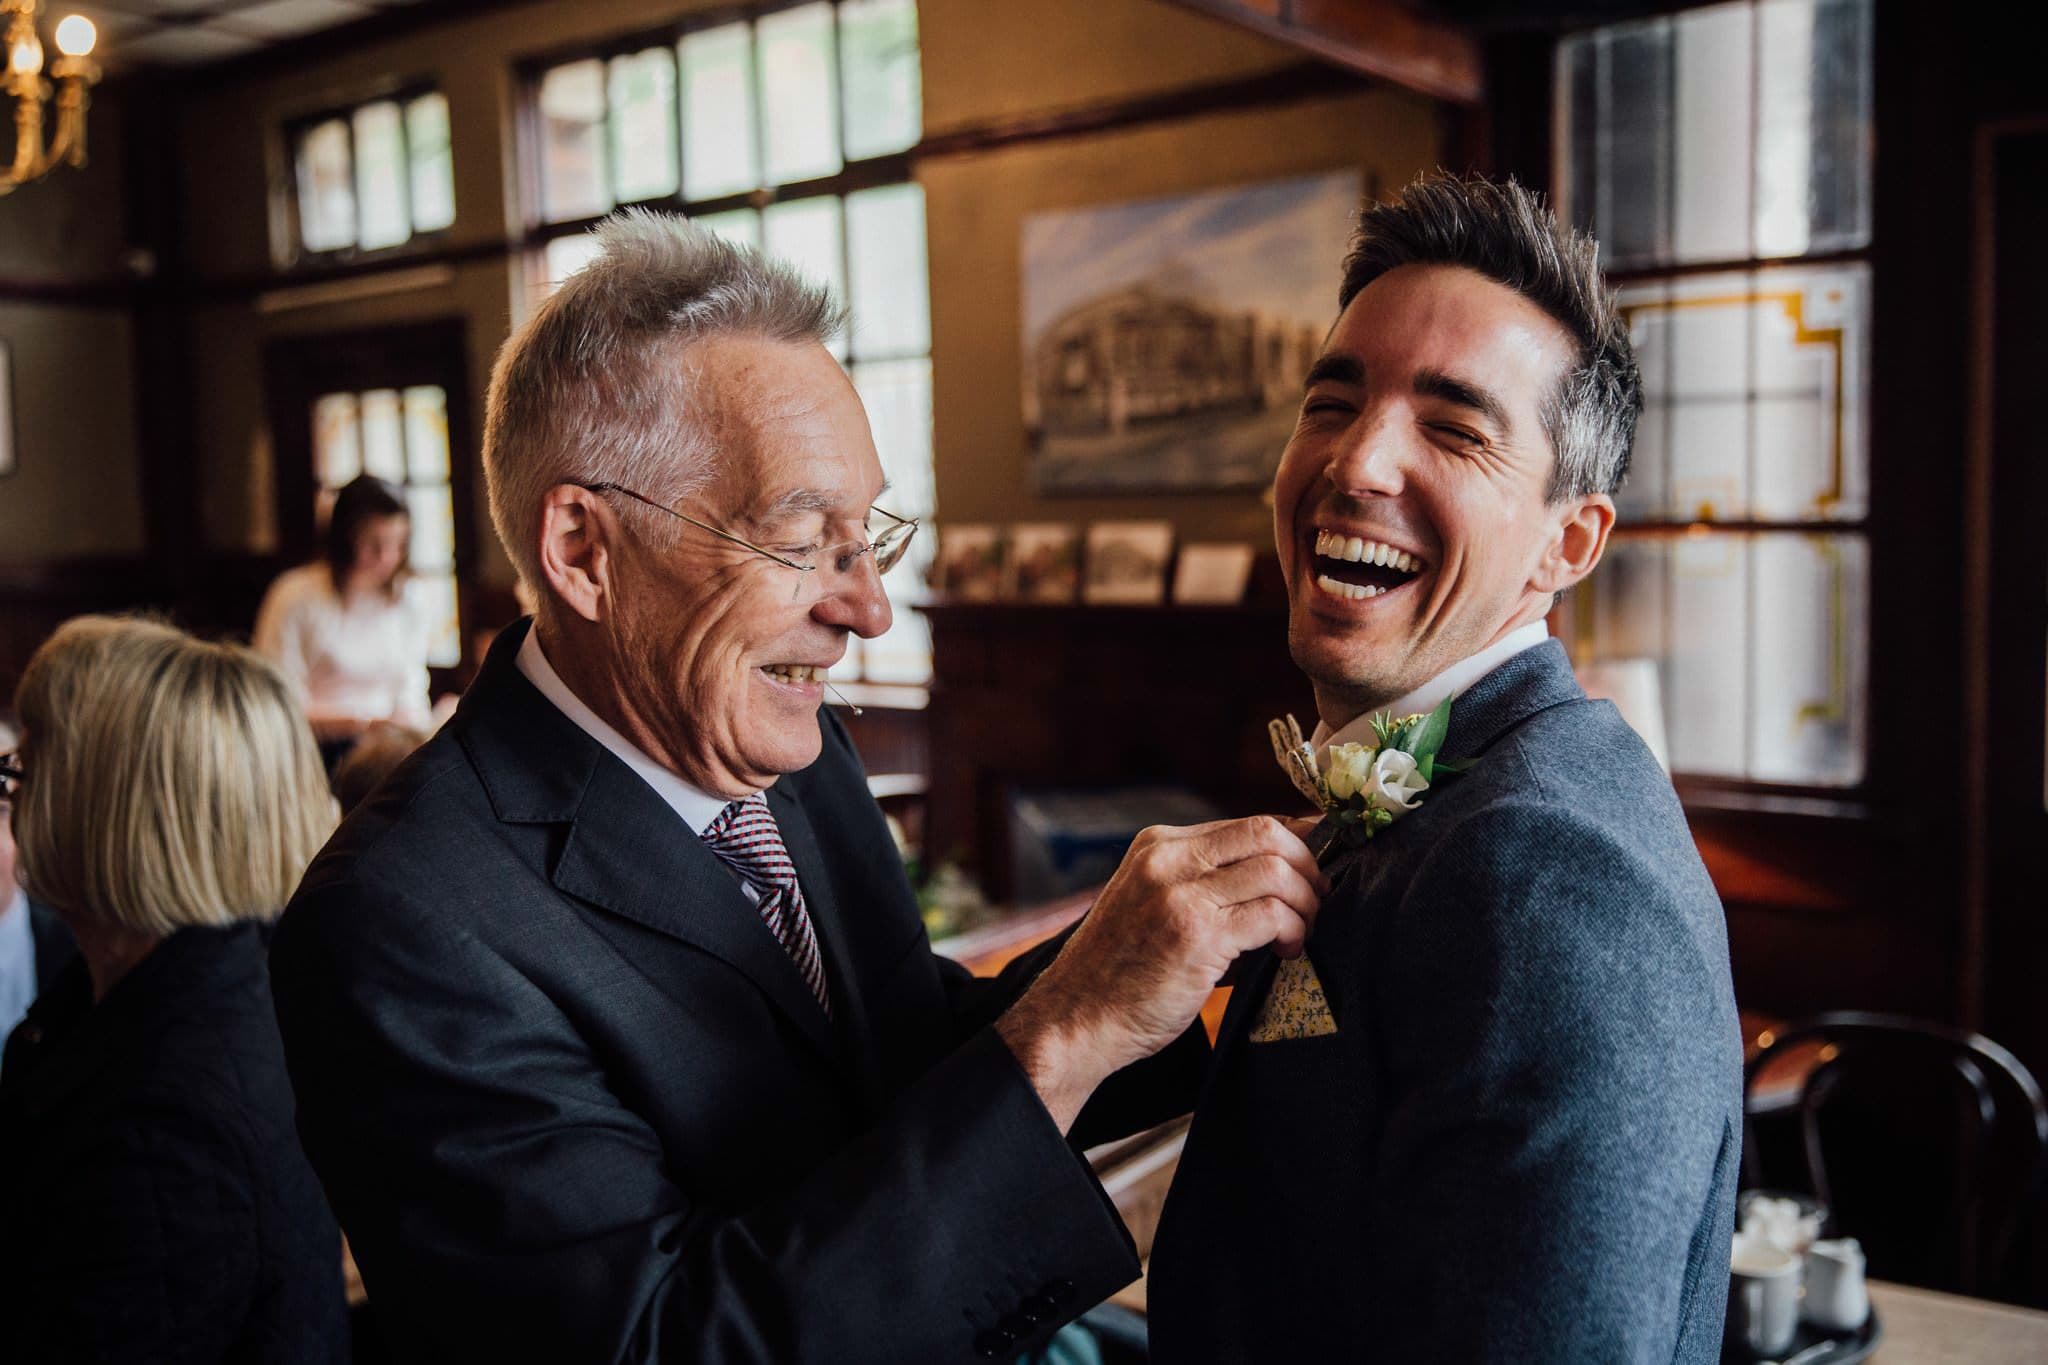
x=1165, y=340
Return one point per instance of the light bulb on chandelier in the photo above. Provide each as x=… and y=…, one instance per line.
x=70, y=77
x=76, y=35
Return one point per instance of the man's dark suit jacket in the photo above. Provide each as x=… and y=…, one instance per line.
x=573, y=1102
x=1521, y=1142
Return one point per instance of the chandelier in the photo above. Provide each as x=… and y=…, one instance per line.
x=74, y=72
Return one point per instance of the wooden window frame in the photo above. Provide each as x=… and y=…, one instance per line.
x=299, y=369
x=854, y=176
x=1710, y=790
x=292, y=129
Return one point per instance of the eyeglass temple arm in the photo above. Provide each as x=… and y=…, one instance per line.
x=680, y=516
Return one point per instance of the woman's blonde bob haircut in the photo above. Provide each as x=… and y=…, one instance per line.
x=168, y=781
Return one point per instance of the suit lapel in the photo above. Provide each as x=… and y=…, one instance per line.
x=626, y=850
x=828, y=920
x=1535, y=680
x=1532, y=681
x=629, y=853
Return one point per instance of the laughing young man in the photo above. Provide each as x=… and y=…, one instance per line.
x=1501, y=1118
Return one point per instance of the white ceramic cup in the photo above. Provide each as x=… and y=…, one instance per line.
x=1836, y=1297
x=1763, y=1297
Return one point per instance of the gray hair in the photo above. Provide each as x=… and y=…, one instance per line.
x=1507, y=234
x=593, y=387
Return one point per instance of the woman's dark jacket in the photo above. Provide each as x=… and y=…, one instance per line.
x=154, y=1203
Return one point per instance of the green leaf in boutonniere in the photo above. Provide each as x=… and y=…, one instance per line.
x=1367, y=787
x=1427, y=736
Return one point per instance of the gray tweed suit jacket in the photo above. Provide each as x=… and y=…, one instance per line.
x=1521, y=1142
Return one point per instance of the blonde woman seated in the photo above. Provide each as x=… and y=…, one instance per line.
x=154, y=1203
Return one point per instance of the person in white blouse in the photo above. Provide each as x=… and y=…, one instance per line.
x=345, y=629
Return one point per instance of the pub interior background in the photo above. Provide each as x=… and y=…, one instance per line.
x=305, y=226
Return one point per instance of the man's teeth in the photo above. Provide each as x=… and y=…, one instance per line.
x=795, y=673
x=1354, y=550
x=1357, y=592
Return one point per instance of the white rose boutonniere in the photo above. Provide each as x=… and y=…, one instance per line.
x=1367, y=787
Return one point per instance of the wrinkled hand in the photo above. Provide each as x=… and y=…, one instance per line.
x=1184, y=905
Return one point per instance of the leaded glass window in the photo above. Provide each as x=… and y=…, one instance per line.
x=1710, y=152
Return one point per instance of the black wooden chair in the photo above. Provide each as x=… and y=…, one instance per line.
x=1927, y=1143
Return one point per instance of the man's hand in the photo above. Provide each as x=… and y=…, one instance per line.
x=1181, y=909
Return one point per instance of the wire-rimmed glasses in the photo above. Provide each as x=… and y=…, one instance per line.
x=10, y=776
x=888, y=548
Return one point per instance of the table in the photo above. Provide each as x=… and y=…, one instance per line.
x=1922, y=1327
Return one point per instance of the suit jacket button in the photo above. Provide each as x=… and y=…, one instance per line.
x=1059, y=1291
x=994, y=1342
x=1017, y=1325
x=1037, y=1308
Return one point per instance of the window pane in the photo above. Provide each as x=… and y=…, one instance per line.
x=889, y=290
x=426, y=434
x=337, y=439
x=1713, y=146
x=381, y=195
x=805, y=233
x=1808, y=663
x=878, y=60
x=799, y=94
x=643, y=118
x=572, y=111
x=735, y=225
x=898, y=398
x=433, y=163
x=1758, y=642
x=433, y=528
x=1729, y=132
x=1836, y=192
x=435, y=595
x=718, y=112
x=327, y=188
x=383, y=436
x=903, y=653
x=564, y=256
x=1755, y=388
x=1637, y=75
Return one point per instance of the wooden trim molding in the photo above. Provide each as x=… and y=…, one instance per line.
x=1268, y=90
x=1379, y=38
x=111, y=292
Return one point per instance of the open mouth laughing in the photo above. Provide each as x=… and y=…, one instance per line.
x=1355, y=569
x=803, y=676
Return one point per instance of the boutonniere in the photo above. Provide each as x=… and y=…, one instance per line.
x=1368, y=786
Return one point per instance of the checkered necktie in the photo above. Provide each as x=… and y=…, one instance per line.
x=745, y=838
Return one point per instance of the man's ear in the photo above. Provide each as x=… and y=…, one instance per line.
x=575, y=550
x=1575, y=549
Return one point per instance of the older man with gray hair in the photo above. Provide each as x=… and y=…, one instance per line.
x=615, y=1030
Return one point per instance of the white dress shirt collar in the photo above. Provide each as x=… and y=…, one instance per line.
x=1459, y=677
x=696, y=807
